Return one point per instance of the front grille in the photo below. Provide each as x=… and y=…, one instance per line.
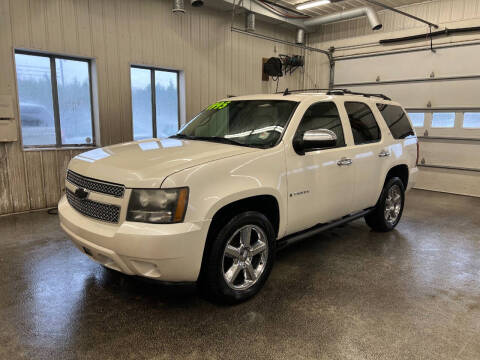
x=116, y=190
x=93, y=209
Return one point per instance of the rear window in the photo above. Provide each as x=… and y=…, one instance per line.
x=396, y=120
x=362, y=121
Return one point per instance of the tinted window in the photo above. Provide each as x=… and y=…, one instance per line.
x=363, y=123
x=396, y=120
x=323, y=115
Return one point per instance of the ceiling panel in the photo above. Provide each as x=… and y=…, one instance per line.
x=343, y=5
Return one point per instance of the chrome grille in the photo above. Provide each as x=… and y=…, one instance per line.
x=116, y=190
x=93, y=209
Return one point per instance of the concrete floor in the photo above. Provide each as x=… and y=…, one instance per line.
x=350, y=293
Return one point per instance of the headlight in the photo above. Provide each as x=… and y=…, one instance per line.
x=158, y=206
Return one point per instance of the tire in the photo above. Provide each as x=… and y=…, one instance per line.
x=382, y=219
x=231, y=272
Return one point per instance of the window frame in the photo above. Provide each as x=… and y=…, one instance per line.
x=55, y=103
x=374, y=117
x=463, y=120
x=296, y=133
x=153, y=95
x=455, y=119
x=425, y=115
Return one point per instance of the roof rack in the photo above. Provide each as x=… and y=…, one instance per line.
x=334, y=92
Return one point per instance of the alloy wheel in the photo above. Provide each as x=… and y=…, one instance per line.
x=393, y=204
x=245, y=257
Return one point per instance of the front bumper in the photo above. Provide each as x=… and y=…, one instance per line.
x=167, y=252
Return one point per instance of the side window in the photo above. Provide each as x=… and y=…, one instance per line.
x=396, y=120
x=364, y=126
x=323, y=115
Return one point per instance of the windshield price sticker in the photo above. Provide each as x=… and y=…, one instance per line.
x=218, y=105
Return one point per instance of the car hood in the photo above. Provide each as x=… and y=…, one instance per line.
x=146, y=163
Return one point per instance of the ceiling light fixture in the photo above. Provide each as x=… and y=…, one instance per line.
x=311, y=4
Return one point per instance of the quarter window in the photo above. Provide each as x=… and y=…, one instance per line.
x=362, y=121
x=54, y=100
x=396, y=120
x=323, y=115
x=155, y=102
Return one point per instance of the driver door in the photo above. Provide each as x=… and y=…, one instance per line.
x=320, y=184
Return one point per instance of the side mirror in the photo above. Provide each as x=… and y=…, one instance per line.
x=314, y=140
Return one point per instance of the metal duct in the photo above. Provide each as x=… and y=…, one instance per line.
x=196, y=3
x=178, y=7
x=250, y=22
x=300, y=38
x=346, y=15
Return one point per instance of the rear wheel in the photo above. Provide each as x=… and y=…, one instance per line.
x=240, y=258
x=389, y=209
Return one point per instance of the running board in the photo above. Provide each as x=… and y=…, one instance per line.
x=302, y=235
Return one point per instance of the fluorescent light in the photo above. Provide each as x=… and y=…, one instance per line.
x=311, y=4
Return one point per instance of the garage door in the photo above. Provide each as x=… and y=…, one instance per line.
x=441, y=92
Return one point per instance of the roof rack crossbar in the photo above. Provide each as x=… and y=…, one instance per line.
x=334, y=92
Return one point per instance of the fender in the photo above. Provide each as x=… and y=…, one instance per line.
x=218, y=183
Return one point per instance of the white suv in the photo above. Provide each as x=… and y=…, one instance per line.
x=246, y=176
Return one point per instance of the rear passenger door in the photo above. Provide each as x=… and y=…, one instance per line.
x=367, y=154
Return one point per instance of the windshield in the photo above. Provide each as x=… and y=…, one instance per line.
x=257, y=123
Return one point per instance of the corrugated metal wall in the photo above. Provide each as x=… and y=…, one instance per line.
x=117, y=33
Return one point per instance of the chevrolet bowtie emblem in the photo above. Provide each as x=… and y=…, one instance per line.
x=80, y=193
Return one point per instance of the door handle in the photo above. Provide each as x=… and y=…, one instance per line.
x=344, y=162
x=384, y=153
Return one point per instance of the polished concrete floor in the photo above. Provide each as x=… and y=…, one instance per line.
x=350, y=293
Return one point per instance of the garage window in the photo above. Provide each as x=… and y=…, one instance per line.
x=443, y=120
x=396, y=120
x=155, y=105
x=471, y=120
x=362, y=121
x=55, y=100
x=323, y=115
x=418, y=119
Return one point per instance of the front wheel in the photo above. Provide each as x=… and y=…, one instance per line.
x=389, y=209
x=240, y=258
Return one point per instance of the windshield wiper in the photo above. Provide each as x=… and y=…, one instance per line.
x=179, y=136
x=218, y=139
